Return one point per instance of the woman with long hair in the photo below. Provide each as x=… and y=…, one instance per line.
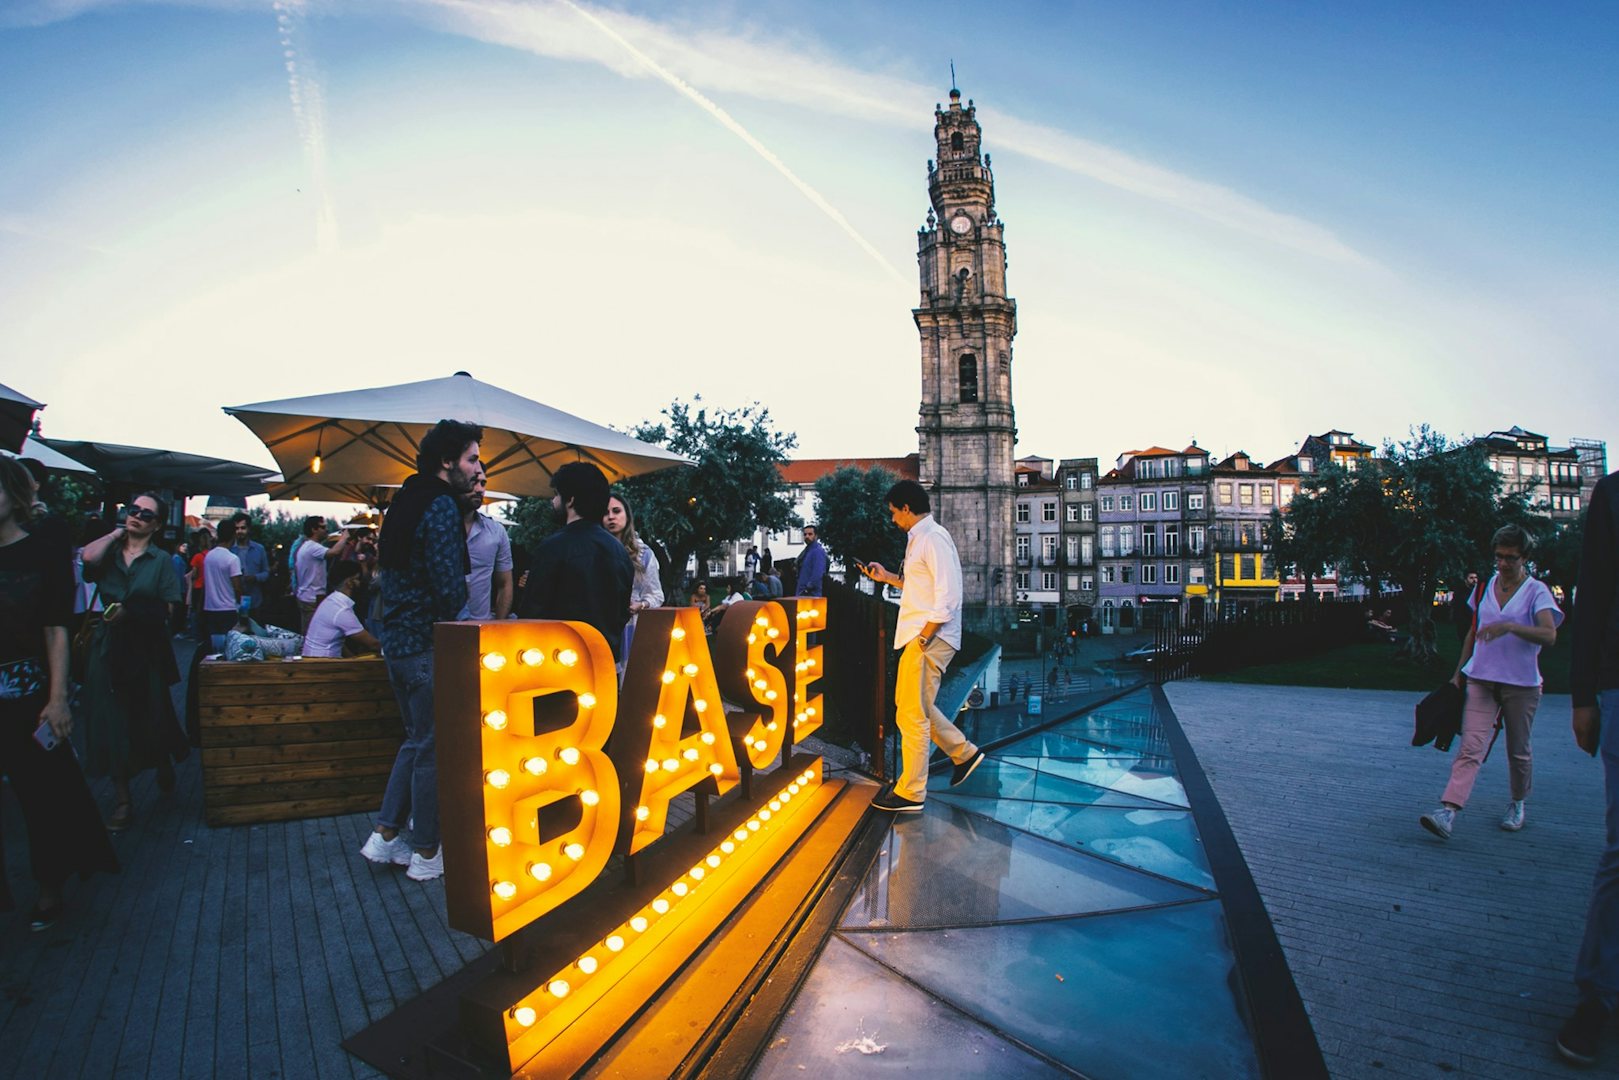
x=130, y=725
x=65, y=835
x=647, y=592
x=1514, y=619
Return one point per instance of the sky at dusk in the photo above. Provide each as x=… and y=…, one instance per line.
x=1240, y=223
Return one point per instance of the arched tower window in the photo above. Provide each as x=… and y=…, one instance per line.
x=956, y=142
x=968, y=378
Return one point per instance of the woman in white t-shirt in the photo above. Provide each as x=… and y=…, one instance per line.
x=1516, y=617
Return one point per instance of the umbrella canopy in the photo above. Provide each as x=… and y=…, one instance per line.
x=368, y=438
x=54, y=460
x=322, y=491
x=189, y=474
x=16, y=417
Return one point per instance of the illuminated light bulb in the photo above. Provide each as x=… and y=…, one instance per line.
x=661, y=906
x=495, y=720
x=741, y=834
x=785, y=796
x=775, y=804
x=716, y=768
x=638, y=924
x=764, y=815
x=713, y=861
x=670, y=764
x=660, y=721
x=587, y=701
x=574, y=851
x=810, y=662
x=759, y=684
x=772, y=726
x=804, y=614
x=792, y=789
x=534, y=765
x=504, y=889
x=651, y=764
x=642, y=813
x=680, y=888
x=493, y=661
x=531, y=657
x=752, y=639
x=567, y=657
x=770, y=695
x=314, y=464
x=753, y=824
x=773, y=632
x=587, y=964
x=697, y=873
x=569, y=755
x=727, y=847
x=700, y=705
x=750, y=673
x=539, y=871
x=677, y=634
x=668, y=676
x=690, y=669
x=524, y=1015
x=500, y=836
x=761, y=621
x=810, y=711
x=707, y=737
x=798, y=668
x=614, y=943
x=690, y=753
x=799, y=719
x=498, y=778
x=559, y=988
x=760, y=745
x=589, y=797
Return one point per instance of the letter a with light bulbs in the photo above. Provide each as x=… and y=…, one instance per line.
x=548, y=768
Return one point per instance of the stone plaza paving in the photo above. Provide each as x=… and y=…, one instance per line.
x=254, y=950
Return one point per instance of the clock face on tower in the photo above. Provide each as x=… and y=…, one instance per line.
x=961, y=225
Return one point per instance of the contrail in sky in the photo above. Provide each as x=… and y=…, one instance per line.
x=742, y=133
x=309, y=111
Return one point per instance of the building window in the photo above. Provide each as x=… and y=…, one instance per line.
x=967, y=369
x=1172, y=540
x=1070, y=482
x=1194, y=466
x=1073, y=550
x=1172, y=573
x=1108, y=547
x=1022, y=479
x=1087, y=512
x=1048, y=580
x=1022, y=514
x=1107, y=504
x=1267, y=495
x=1228, y=567
x=1285, y=496
x=1172, y=500
x=1022, y=546
x=1351, y=464
x=1072, y=513
x=1146, y=469
x=1194, y=575
x=1086, y=480
x=1194, y=500
x=1023, y=580
x=1172, y=466
x=1107, y=613
x=1194, y=539
x=1126, y=502
x=1305, y=464
x=1245, y=494
x=1087, y=550
x=1225, y=492
x=1048, y=548
x=1048, y=511
x=1072, y=582
x=1149, y=573
x=1087, y=583
x=1107, y=575
x=1127, y=539
x=1149, y=500
x=1127, y=573
x=1149, y=540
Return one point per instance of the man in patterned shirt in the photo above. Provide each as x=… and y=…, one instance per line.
x=423, y=569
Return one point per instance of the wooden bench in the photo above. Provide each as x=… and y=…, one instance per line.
x=283, y=740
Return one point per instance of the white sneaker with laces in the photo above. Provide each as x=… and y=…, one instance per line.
x=1439, y=822
x=395, y=852
x=1513, y=820
x=423, y=869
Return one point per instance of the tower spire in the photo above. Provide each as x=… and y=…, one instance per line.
x=953, y=89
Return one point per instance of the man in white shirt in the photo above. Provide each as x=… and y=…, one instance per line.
x=929, y=632
x=334, y=621
x=221, y=583
x=309, y=567
x=489, y=585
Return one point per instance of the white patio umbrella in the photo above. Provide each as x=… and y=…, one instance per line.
x=368, y=438
x=52, y=459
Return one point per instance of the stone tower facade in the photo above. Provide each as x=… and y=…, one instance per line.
x=966, y=322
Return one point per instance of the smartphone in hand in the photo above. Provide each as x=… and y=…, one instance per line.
x=45, y=736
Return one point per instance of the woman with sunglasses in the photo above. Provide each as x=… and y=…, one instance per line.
x=1514, y=619
x=36, y=604
x=130, y=725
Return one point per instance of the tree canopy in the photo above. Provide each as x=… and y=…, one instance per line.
x=853, y=517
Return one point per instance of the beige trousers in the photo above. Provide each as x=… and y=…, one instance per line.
x=919, y=720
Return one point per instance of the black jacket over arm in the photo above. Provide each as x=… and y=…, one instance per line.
x=1596, y=605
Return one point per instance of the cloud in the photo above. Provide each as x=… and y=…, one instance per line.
x=34, y=229
x=308, y=98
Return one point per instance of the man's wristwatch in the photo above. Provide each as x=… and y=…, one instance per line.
x=924, y=639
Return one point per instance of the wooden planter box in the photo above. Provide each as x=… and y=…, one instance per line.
x=287, y=740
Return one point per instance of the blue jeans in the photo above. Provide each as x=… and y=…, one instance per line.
x=413, y=784
x=1597, y=971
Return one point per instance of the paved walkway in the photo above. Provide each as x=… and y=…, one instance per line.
x=1415, y=957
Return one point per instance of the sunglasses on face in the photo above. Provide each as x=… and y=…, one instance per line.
x=140, y=513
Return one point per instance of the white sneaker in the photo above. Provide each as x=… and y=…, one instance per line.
x=395, y=852
x=426, y=869
x=1513, y=820
x=1439, y=822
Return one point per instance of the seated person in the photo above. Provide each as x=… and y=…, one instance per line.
x=334, y=622
x=734, y=587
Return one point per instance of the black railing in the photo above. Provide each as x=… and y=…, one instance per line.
x=1265, y=634
x=857, y=684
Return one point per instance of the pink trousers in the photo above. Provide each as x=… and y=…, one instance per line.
x=1516, y=706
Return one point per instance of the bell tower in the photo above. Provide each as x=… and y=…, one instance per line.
x=967, y=322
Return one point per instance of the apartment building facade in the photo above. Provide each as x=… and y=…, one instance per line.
x=1153, y=520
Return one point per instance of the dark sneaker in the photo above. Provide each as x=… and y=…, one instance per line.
x=45, y=917
x=895, y=803
x=1578, y=1041
x=965, y=769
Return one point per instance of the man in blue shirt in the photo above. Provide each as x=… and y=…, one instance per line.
x=811, y=564
x=255, y=563
x=424, y=567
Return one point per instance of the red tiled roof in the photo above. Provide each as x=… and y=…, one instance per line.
x=809, y=470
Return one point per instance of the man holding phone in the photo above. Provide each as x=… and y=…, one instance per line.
x=929, y=633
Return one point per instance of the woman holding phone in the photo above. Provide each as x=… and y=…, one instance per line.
x=65, y=835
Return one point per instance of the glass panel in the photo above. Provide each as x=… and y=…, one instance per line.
x=997, y=779
x=1141, y=994
x=854, y=1014
x=1116, y=775
x=948, y=867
